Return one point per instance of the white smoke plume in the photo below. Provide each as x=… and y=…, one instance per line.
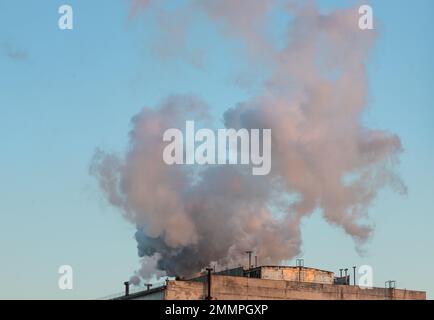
x=323, y=156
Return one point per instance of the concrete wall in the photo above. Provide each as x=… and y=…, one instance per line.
x=239, y=288
x=297, y=274
x=185, y=290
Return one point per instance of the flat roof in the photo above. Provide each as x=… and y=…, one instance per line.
x=141, y=293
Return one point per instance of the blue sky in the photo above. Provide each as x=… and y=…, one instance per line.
x=68, y=92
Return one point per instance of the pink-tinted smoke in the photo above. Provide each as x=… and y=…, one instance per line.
x=323, y=156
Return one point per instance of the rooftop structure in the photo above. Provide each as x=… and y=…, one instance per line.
x=270, y=283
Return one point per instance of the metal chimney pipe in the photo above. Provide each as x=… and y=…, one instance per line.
x=148, y=286
x=341, y=272
x=256, y=261
x=209, y=283
x=250, y=258
x=354, y=273
x=127, y=288
x=346, y=276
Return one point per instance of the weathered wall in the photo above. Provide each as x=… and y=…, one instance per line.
x=297, y=274
x=239, y=288
x=185, y=290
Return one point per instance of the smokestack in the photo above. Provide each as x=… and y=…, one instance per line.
x=250, y=259
x=347, y=282
x=256, y=261
x=354, y=274
x=148, y=286
x=127, y=288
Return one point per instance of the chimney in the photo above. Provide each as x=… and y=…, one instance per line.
x=354, y=273
x=127, y=288
x=249, y=252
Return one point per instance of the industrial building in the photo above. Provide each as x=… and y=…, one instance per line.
x=270, y=283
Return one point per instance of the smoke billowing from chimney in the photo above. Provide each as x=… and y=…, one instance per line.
x=323, y=156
